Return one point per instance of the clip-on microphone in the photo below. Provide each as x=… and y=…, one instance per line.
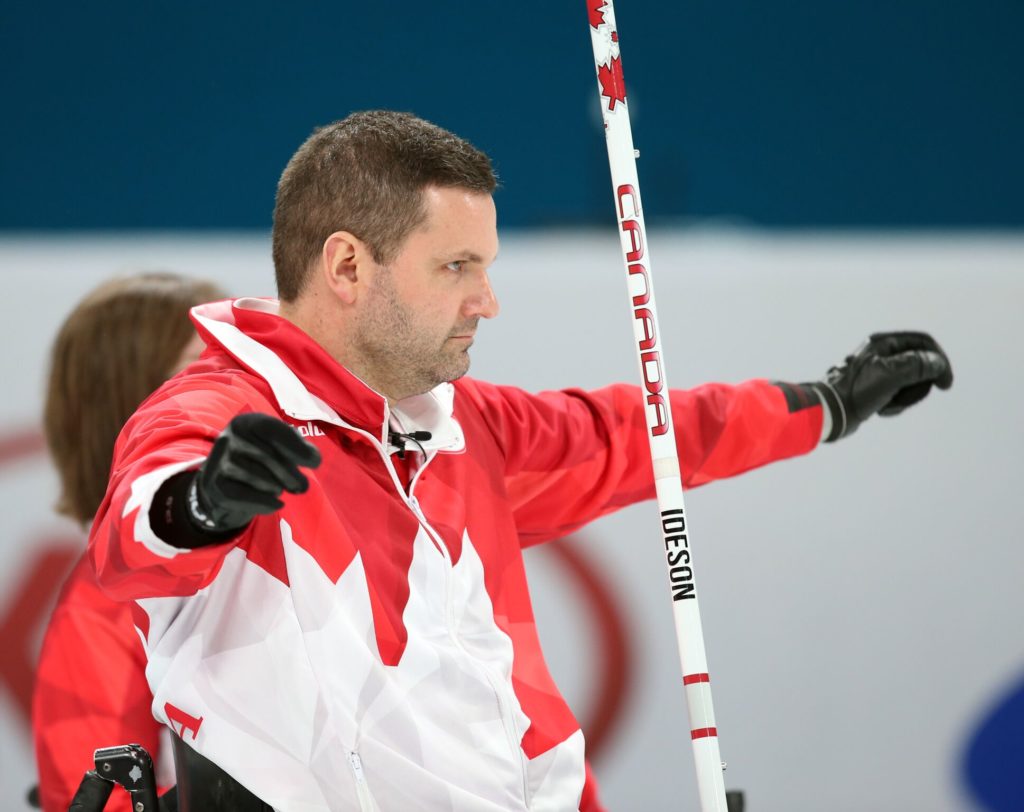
x=398, y=439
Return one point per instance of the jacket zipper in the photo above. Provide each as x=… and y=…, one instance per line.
x=366, y=803
x=508, y=721
x=507, y=718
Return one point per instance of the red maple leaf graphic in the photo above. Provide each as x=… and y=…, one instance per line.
x=612, y=84
x=594, y=11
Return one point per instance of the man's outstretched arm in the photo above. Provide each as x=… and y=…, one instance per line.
x=572, y=456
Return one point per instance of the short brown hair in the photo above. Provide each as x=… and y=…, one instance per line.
x=365, y=174
x=114, y=349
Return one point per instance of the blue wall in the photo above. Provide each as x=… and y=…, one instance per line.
x=128, y=115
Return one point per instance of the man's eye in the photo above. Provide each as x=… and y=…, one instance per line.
x=456, y=266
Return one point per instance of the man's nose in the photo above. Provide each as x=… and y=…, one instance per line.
x=483, y=303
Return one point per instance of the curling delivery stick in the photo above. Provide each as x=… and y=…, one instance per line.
x=661, y=433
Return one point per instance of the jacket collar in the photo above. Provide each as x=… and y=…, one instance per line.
x=308, y=384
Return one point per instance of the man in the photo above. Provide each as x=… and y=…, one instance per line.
x=342, y=621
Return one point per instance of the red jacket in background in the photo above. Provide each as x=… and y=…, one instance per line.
x=90, y=690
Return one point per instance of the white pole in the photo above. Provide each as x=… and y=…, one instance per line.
x=661, y=433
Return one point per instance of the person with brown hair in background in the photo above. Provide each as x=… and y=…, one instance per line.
x=118, y=345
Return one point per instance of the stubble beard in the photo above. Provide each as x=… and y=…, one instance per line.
x=398, y=355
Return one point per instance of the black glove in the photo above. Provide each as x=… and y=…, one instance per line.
x=252, y=462
x=888, y=373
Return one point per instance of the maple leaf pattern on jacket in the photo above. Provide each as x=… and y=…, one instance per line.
x=594, y=11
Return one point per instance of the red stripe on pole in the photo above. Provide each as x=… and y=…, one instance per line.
x=703, y=732
x=690, y=679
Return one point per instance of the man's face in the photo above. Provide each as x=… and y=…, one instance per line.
x=420, y=312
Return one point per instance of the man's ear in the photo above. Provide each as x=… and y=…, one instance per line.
x=345, y=260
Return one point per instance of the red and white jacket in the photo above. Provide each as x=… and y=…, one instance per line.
x=90, y=691
x=372, y=645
